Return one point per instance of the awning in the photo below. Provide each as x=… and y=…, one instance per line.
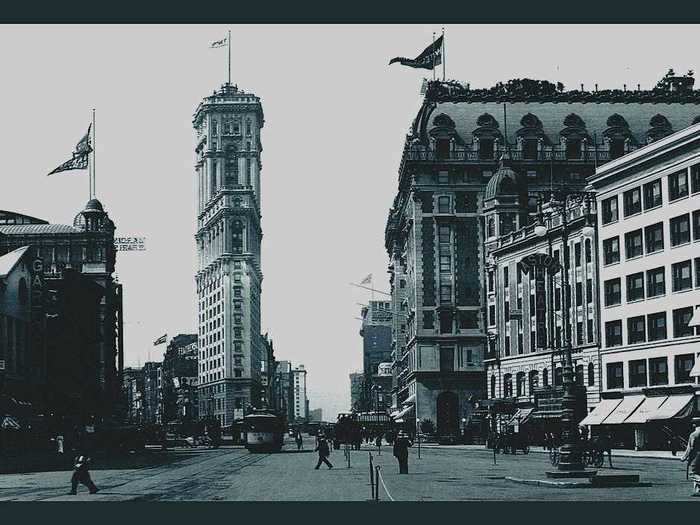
x=521, y=416
x=394, y=413
x=10, y=423
x=404, y=412
x=676, y=406
x=546, y=414
x=600, y=412
x=695, y=371
x=624, y=410
x=410, y=399
x=648, y=407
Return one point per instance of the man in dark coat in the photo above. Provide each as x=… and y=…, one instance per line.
x=323, y=452
x=401, y=444
x=692, y=456
x=81, y=474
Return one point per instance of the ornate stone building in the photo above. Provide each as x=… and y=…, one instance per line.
x=436, y=231
x=229, y=277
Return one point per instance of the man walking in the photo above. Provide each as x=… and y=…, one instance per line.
x=401, y=445
x=299, y=440
x=323, y=452
x=692, y=456
x=81, y=474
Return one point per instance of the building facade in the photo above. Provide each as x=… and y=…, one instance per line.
x=179, y=392
x=74, y=278
x=436, y=231
x=376, y=333
x=356, y=385
x=229, y=277
x=649, y=258
x=300, y=402
x=133, y=385
x=152, y=393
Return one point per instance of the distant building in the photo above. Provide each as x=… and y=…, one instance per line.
x=179, y=380
x=376, y=346
x=267, y=377
x=316, y=414
x=357, y=380
x=133, y=390
x=300, y=402
x=283, y=389
x=152, y=393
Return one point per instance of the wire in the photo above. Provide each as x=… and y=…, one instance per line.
x=381, y=478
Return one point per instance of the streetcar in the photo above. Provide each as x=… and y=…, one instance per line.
x=264, y=432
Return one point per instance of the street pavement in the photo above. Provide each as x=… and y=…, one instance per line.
x=442, y=474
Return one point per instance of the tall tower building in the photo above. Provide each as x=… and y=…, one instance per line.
x=229, y=276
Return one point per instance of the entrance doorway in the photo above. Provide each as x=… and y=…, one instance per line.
x=447, y=414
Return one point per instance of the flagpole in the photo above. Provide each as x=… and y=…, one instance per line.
x=94, y=154
x=229, y=56
x=443, y=54
x=433, y=55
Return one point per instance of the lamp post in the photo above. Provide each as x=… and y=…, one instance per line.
x=570, y=458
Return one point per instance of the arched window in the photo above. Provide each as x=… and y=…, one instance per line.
x=545, y=377
x=534, y=380
x=214, y=127
x=507, y=385
x=248, y=127
x=591, y=374
x=588, y=251
x=493, y=387
x=231, y=167
x=579, y=374
x=491, y=228
x=520, y=383
x=558, y=376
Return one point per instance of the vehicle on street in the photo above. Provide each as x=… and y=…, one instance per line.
x=264, y=432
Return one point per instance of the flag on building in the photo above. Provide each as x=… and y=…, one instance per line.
x=219, y=43
x=428, y=59
x=162, y=339
x=366, y=280
x=79, y=160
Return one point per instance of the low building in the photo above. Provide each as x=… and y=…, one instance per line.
x=356, y=390
x=179, y=380
x=649, y=257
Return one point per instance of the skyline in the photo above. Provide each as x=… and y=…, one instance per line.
x=314, y=142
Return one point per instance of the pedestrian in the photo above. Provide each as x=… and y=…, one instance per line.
x=673, y=444
x=401, y=444
x=59, y=443
x=692, y=456
x=81, y=474
x=605, y=445
x=299, y=440
x=323, y=452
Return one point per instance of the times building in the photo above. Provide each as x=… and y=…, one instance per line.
x=229, y=276
x=456, y=202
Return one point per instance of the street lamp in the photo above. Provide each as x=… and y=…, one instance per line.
x=570, y=457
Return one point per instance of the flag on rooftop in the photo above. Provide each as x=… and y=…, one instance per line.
x=162, y=339
x=79, y=160
x=367, y=280
x=219, y=43
x=428, y=59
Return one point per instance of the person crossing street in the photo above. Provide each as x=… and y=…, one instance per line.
x=81, y=474
x=401, y=445
x=692, y=456
x=323, y=451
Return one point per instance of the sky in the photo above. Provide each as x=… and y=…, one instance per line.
x=336, y=116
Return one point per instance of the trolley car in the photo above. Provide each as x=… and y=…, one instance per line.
x=264, y=432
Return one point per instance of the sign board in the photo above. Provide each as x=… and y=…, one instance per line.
x=535, y=260
x=2, y=364
x=130, y=244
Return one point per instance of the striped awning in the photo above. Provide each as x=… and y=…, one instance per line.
x=600, y=412
x=649, y=406
x=521, y=416
x=404, y=412
x=676, y=406
x=624, y=410
x=10, y=423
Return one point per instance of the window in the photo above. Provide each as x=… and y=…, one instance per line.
x=683, y=365
x=520, y=343
x=578, y=374
x=697, y=271
x=445, y=251
x=444, y=205
x=696, y=225
x=579, y=294
x=638, y=373
x=491, y=281
x=635, y=330
x=615, y=376
x=558, y=376
x=485, y=149
x=530, y=149
x=589, y=291
x=506, y=311
x=613, y=333
x=557, y=299
x=656, y=326
x=507, y=385
x=635, y=286
x=589, y=330
x=577, y=254
x=610, y=210
x=633, y=244
x=468, y=319
x=505, y=276
x=532, y=305
x=520, y=384
x=545, y=377
x=681, y=318
x=533, y=341
x=656, y=282
x=533, y=379
x=654, y=235
x=632, y=201
x=617, y=148
x=680, y=230
x=579, y=333
x=237, y=291
x=652, y=194
x=493, y=387
x=444, y=234
x=445, y=293
x=447, y=357
x=573, y=149
x=506, y=344
x=588, y=250
x=591, y=374
x=444, y=176
x=491, y=228
x=678, y=185
x=695, y=178
x=613, y=292
x=445, y=322
x=611, y=250
x=492, y=314
x=681, y=275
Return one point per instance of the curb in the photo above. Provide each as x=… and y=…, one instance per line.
x=572, y=484
x=622, y=454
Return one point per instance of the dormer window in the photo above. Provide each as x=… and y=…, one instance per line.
x=530, y=149
x=443, y=148
x=573, y=149
x=617, y=148
x=486, y=149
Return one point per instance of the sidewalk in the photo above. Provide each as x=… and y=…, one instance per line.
x=623, y=453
